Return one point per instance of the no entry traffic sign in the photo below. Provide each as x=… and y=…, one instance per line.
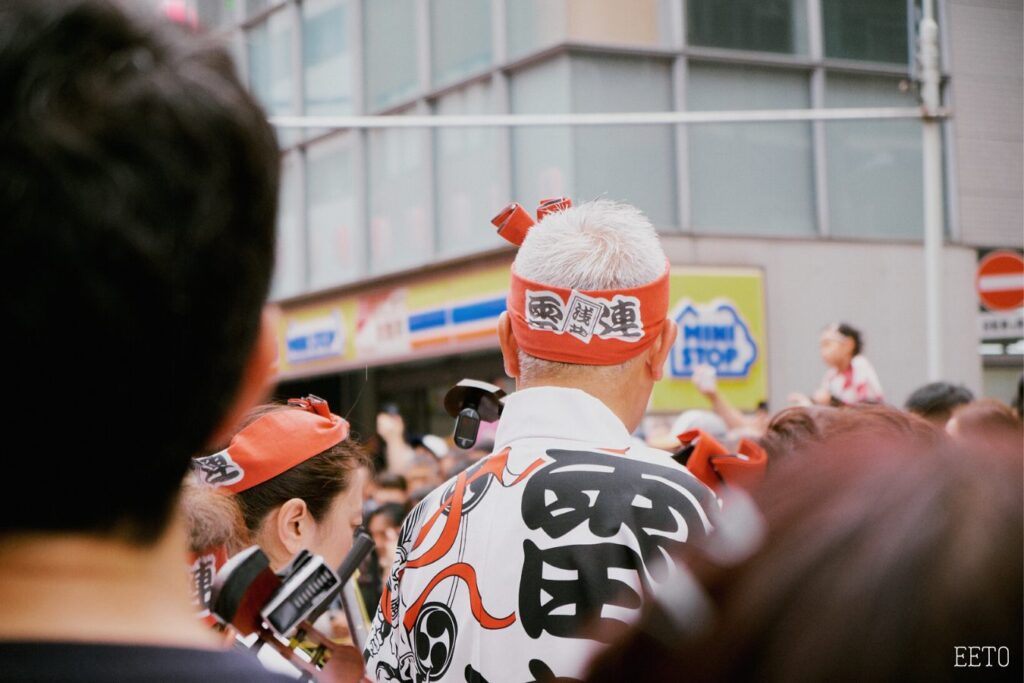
x=1000, y=281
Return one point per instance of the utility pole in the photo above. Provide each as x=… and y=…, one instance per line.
x=928, y=60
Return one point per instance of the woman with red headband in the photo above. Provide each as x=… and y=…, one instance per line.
x=296, y=479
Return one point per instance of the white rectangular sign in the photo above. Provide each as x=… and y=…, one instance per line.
x=996, y=326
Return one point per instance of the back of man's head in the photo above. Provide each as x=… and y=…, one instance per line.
x=599, y=245
x=138, y=189
x=936, y=401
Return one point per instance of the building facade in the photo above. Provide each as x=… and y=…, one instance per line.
x=381, y=229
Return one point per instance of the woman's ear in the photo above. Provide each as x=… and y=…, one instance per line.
x=295, y=525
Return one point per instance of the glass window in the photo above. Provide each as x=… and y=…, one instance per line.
x=637, y=22
x=875, y=188
x=336, y=240
x=254, y=6
x=469, y=182
x=290, y=262
x=635, y=164
x=534, y=25
x=390, y=52
x=542, y=157
x=872, y=30
x=215, y=14
x=270, y=59
x=327, y=57
x=460, y=42
x=761, y=25
x=401, y=234
x=750, y=178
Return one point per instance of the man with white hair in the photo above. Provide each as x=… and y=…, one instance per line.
x=521, y=566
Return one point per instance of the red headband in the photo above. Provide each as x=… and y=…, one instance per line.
x=602, y=327
x=273, y=444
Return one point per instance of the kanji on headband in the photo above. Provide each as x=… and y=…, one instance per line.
x=594, y=327
x=272, y=444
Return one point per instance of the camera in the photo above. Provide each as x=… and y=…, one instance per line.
x=471, y=402
x=281, y=607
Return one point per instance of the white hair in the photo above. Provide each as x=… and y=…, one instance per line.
x=597, y=245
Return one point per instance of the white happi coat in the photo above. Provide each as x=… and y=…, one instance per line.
x=561, y=529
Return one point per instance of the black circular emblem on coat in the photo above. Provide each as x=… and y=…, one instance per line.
x=433, y=639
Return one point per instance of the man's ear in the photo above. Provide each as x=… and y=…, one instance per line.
x=660, y=349
x=293, y=525
x=256, y=378
x=509, y=347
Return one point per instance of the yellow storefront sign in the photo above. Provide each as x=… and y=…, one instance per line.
x=720, y=314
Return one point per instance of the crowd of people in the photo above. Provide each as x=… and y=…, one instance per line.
x=838, y=538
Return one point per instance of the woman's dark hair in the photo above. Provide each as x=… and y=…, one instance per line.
x=317, y=480
x=854, y=334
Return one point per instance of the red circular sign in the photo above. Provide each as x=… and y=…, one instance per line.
x=1000, y=280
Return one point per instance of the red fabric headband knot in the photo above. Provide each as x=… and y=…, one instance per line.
x=273, y=444
x=514, y=222
x=594, y=327
x=713, y=464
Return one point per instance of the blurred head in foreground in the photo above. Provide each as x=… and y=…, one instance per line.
x=816, y=431
x=880, y=558
x=989, y=424
x=139, y=193
x=138, y=188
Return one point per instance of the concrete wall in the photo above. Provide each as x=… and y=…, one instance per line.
x=1001, y=382
x=876, y=287
x=986, y=42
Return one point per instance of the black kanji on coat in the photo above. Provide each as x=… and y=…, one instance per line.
x=615, y=497
x=564, y=607
x=660, y=505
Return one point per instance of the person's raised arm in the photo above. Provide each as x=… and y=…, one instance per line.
x=392, y=431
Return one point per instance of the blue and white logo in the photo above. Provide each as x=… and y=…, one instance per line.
x=316, y=338
x=715, y=334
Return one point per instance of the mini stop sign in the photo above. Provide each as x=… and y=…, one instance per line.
x=1000, y=281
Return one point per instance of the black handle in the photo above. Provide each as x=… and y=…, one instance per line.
x=362, y=545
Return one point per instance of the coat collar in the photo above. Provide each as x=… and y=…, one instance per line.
x=559, y=413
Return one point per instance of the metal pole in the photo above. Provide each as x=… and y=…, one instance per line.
x=928, y=58
x=624, y=118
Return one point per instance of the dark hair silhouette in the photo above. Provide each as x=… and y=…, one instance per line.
x=138, y=189
x=936, y=401
x=854, y=334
